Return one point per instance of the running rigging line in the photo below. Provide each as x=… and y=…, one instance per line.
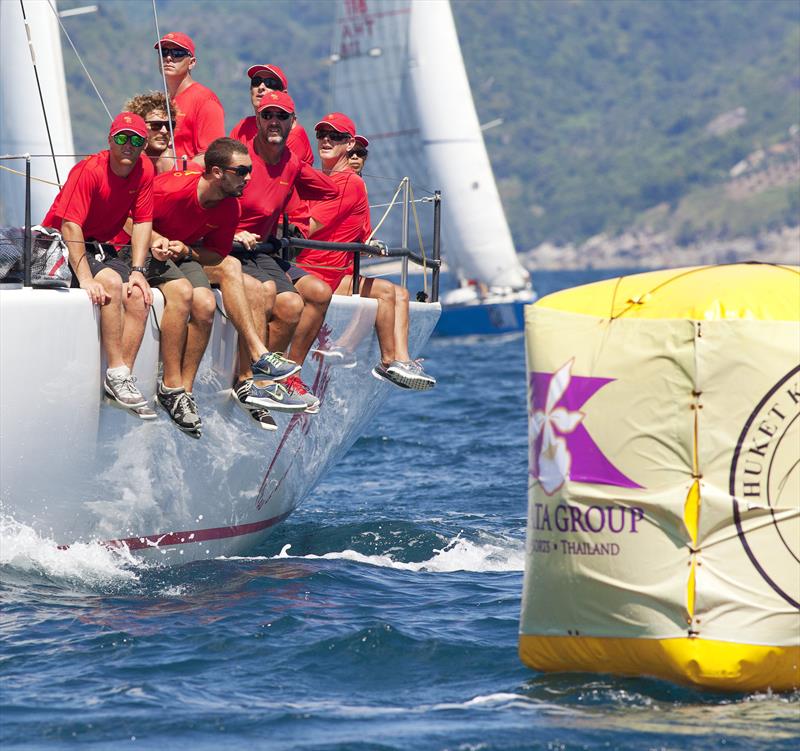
x=166, y=90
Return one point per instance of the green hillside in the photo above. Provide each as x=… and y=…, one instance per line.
x=606, y=106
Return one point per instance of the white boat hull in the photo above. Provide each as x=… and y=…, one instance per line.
x=76, y=468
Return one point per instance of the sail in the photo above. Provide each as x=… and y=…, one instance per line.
x=22, y=125
x=397, y=71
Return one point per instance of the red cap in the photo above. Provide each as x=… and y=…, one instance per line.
x=339, y=122
x=361, y=141
x=272, y=70
x=177, y=38
x=279, y=99
x=128, y=121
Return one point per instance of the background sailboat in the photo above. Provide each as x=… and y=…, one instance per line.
x=397, y=70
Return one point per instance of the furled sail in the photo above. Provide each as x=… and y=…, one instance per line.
x=397, y=71
x=22, y=125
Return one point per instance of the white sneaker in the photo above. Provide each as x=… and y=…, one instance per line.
x=121, y=387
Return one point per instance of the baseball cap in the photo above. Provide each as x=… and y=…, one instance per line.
x=279, y=99
x=128, y=121
x=177, y=38
x=339, y=122
x=271, y=69
x=361, y=141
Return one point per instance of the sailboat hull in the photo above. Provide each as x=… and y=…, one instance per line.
x=481, y=319
x=77, y=469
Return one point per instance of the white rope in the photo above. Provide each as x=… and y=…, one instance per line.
x=166, y=89
x=37, y=179
x=91, y=80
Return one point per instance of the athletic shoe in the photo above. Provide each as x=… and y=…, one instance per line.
x=122, y=389
x=181, y=409
x=241, y=392
x=144, y=413
x=190, y=397
x=337, y=355
x=411, y=374
x=294, y=385
x=274, y=396
x=273, y=366
x=382, y=373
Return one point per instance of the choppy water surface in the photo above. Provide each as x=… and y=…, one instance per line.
x=382, y=615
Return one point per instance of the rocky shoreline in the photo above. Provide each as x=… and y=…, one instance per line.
x=649, y=250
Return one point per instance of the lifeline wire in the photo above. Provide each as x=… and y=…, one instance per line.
x=88, y=75
x=39, y=87
x=166, y=90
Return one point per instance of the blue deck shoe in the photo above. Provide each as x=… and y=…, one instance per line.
x=276, y=398
x=273, y=366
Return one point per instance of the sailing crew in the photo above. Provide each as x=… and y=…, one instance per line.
x=196, y=215
x=152, y=108
x=200, y=118
x=266, y=77
x=100, y=193
x=277, y=175
x=357, y=156
x=346, y=219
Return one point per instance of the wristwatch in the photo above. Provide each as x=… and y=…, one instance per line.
x=140, y=269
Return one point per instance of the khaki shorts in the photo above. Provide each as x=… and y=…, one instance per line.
x=266, y=268
x=161, y=272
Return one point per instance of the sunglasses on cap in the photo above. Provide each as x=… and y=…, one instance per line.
x=241, y=171
x=333, y=135
x=122, y=138
x=362, y=153
x=270, y=83
x=176, y=53
x=157, y=125
x=279, y=114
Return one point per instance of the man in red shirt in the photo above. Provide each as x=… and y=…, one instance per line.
x=152, y=108
x=195, y=219
x=277, y=175
x=200, y=118
x=100, y=192
x=346, y=219
x=357, y=156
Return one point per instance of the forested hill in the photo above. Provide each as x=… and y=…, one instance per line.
x=614, y=113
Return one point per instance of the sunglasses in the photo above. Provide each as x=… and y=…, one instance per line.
x=279, y=114
x=241, y=171
x=361, y=153
x=175, y=54
x=333, y=135
x=270, y=83
x=157, y=125
x=122, y=138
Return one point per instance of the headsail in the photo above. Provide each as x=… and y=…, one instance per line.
x=398, y=71
x=22, y=127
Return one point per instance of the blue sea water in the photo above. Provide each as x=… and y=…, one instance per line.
x=382, y=615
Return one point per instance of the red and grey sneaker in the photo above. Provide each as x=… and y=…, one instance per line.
x=296, y=387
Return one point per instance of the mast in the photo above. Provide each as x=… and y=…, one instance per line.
x=22, y=123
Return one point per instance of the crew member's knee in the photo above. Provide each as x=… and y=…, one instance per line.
x=178, y=293
x=383, y=290
x=230, y=267
x=315, y=291
x=134, y=302
x=401, y=295
x=204, y=305
x=288, y=307
x=112, y=283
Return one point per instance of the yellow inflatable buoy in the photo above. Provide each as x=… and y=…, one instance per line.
x=663, y=532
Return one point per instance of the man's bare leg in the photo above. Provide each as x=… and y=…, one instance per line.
x=383, y=292
x=261, y=299
x=112, y=317
x=133, y=323
x=401, y=324
x=316, y=296
x=202, y=309
x=177, y=301
x=285, y=317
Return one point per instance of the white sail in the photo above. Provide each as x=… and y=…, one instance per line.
x=398, y=72
x=22, y=126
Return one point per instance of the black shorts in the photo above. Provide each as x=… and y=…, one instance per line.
x=267, y=268
x=161, y=272
x=110, y=260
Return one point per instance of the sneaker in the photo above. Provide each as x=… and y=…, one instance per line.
x=275, y=396
x=273, y=366
x=241, y=392
x=122, y=389
x=411, y=374
x=190, y=397
x=144, y=413
x=382, y=373
x=337, y=355
x=294, y=385
x=180, y=408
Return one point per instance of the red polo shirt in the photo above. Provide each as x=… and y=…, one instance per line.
x=297, y=140
x=272, y=185
x=179, y=215
x=100, y=201
x=344, y=219
x=200, y=120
